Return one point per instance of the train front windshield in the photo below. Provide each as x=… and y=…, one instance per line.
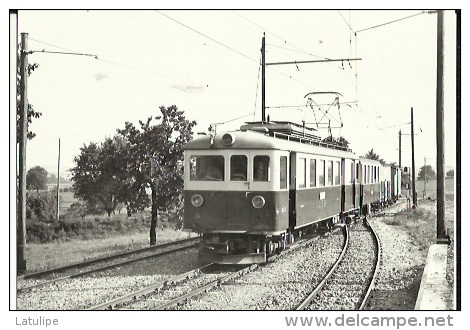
x=207, y=168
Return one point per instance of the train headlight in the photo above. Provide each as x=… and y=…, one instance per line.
x=258, y=202
x=197, y=200
x=228, y=139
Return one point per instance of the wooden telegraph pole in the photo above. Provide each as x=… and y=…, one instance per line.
x=413, y=180
x=21, y=201
x=440, y=131
x=263, y=79
x=58, y=184
x=399, y=149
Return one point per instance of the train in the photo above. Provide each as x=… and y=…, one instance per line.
x=250, y=193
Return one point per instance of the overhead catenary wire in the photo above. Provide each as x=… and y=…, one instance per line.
x=143, y=70
x=230, y=48
x=394, y=21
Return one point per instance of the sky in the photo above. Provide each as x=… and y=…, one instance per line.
x=207, y=63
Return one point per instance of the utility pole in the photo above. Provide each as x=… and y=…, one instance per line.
x=58, y=183
x=263, y=78
x=415, y=204
x=263, y=71
x=424, y=192
x=399, y=149
x=23, y=136
x=440, y=131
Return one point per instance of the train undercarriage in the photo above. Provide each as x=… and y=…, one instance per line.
x=242, y=248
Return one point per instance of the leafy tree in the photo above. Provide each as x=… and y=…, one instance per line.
x=450, y=174
x=41, y=205
x=31, y=113
x=426, y=173
x=154, y=159
x=341, y=141
x=83, y=208
x=372, y=155
x=96, y=176
x=36, y=179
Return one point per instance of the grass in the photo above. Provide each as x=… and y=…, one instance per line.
x=420, y=223
x=42, y=256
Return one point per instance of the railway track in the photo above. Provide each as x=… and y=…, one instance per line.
x=168, y=293
x=35, y=280
x=348, y=283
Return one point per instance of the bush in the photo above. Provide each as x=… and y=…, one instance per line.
x=41, y=205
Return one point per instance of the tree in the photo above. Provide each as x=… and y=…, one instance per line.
x=450, y=174
x=155, y=158
x=97, y=175
x=341, y=141
x=41, y=205
x=426, y=173
x=372, y=155
x=36, y=179
x=31, y=113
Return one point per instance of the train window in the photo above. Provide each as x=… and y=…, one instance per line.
x=357, y=171
x=283, y=173
x=368, y=174
x=313, y=173
x=330, y=173
x=337, y=174
x=352, y=172
x=302, y=173
x=238, y=168
x=206, y=168
x=364, y=175
x=321, y=173
x=261, y=168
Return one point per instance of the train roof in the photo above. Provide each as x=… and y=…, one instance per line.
x=261, y=139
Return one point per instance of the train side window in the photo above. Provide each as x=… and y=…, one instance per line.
x=337, y=174
x=357, y=172
x=313, y=173
x=206, y=168
x=321, y=173
x=261, y=168
x=283, y=173
x=238, y=168
x=330, y=173
x=364, y=175
x=302, y=173
x=352, y=172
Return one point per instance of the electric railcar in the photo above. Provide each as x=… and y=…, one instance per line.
x=250, y=192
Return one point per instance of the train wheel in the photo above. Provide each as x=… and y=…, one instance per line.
x=269, y=247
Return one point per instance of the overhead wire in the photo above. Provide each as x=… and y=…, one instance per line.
x=394, y=21
x=139, y=69
x=232, y=49
x=358, y=83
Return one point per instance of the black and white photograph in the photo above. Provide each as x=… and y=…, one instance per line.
x=232, y=163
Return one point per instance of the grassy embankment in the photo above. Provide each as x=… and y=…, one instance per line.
x=92, y=236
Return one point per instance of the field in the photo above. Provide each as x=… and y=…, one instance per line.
x=429, y=188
